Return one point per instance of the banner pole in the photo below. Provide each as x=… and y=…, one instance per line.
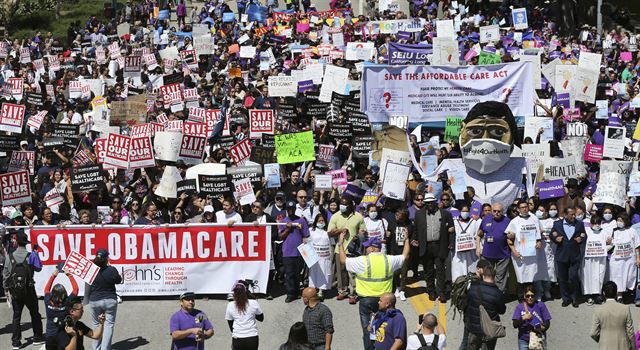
x=48, y=227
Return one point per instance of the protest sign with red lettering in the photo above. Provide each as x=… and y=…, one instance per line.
x=81, y=267
x=150, y=61
x=192, y=148
x=101, y=149
x=53, y=199
x=4, y=49
x=117, y=150
x=244, y=191
x=156, y=127
x=195, y=129
x=191, y=97
x=16, y=87
x=141, y=130
x=197, y=114
x=260, y=122
x=339, y=177
x=101, y=56
x=132, y=66
x=54, y=63
x=11, y=117
x=22, y=160
x=174, y=125
x=240, y=152
x=162, y=118
x=36, y=120
x=163, y=261
x=25, y=55
x=141, y=153
x=114, y=50
x=75, y=89
x=171, y=94
x=16, y=188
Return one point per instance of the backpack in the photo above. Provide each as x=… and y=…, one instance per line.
x=20, y=276
x=459, y=292
x=431, y=346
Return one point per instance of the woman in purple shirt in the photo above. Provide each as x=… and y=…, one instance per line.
x=531, y=316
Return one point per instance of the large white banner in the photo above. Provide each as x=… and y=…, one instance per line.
x=158, y=260
x=430, y=94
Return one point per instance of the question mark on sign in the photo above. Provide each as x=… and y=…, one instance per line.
x=387, y=98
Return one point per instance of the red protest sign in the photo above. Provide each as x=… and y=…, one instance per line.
x=197, y=114
x=192, y=148
x=36, y=120
x=22, y=160
x=171, y=94
x=117, y=151
x=240, y=152
x=101, y=149
x=141, y=153
x=141, y=130
x=80, y=266
x=195, y=129
x=11, y=117
x=211, y=117
x=16, y=188
x=260, y=122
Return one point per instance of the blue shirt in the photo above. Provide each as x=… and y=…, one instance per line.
x=569, y=228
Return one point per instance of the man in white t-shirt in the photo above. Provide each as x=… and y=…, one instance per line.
x=429, y=337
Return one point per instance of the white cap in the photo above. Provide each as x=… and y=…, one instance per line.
x=429, y=197
x=208, y=209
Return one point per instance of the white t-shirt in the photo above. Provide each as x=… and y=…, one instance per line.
x=244, y=324
x=223, y=218
x=413, y=343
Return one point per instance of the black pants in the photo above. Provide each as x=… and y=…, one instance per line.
x=250, y=343
x=433, y=265
x=568, y=278
x=18, y=302
x=51, y=343
x=292, y=267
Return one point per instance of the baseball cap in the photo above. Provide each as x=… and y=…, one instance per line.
x=373, y=242
x=188, y=295
x=280, y=194
x=102, y=253
x=24, y=143
x=429, y=197
x=208, y=209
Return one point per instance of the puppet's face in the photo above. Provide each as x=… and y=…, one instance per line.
x=496, y=129
x=486, y=144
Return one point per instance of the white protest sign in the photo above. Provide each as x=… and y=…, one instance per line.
x=282, y=86
x=535, y=154
x=577, y=129
x=535, y=69
x=244, y=191
x=394, y=184
x=613, y=142
x=247, y=51
x=533, y=126
x=401, y=157
x=564, y=75
x=166, y=145
x=323, y=182
x=314, y=72
x=335, y=80
x=489, y=33
x=444, y=29
x=560, y=168
x=445, y=52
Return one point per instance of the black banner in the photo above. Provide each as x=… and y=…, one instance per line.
x=361, y=146
x=69, y=132
x=186, y=186
x=50, y=143
x=268, y=141
x=34, y=99
x=287, y=109
x=9, y=142
x=86, y=179
x=173, y=78
x=340, y=131
x=263, y=155
x=253, y=172
x=317, y=110
x=214, y=185
x=360, y=123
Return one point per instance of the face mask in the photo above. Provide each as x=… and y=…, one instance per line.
x=343, y=208
x=485, y=155
x=320, y=225
x=373, y=214
x=553, y=213
x=595, y=228
x=620, y=224
x=539, y=214
x=607, y=216
x=464, y=215
x=579, y=217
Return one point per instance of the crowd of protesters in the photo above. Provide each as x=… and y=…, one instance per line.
x=234, y=85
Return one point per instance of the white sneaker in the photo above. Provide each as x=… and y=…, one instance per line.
x=397, y=293
x=402, y=296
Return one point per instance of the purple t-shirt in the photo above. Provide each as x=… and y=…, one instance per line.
x=294, y=239
x=539, y=312
x=390, y=329
x=495, y=238
x=180, y=321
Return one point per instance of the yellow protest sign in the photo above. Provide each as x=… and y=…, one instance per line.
x=295, y=147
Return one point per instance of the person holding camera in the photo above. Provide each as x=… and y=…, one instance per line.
x=19, y=267
x=241, y=314
x=55, y=302
x=72, y=331
x=425, y=334
x=189, y=327
x=103, y=298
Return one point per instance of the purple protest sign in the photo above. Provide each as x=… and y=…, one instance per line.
x=563, y=100
x=305, y=85
x=403, y=35
x=551, y=189
x=356, y=193
x=409, y=54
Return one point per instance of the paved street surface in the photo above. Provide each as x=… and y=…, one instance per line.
x=144, y=324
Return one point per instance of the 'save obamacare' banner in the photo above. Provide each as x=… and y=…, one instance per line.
x=160, y=260
x=432, y=93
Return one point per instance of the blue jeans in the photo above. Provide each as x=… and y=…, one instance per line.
x=523, y=345
x=108, y=307
x=637, y=294
x=366, y=307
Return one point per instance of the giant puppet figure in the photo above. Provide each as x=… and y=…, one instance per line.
x=487, y=139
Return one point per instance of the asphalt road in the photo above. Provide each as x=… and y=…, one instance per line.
x=144, y=324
